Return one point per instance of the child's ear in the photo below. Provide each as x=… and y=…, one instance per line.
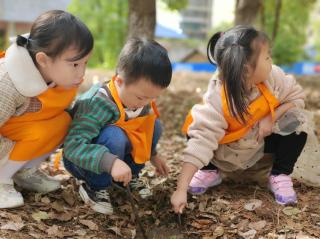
x=119, y=80
x=248, y=71
x=42, y=59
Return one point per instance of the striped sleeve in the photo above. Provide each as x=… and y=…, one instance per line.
x=91, y=116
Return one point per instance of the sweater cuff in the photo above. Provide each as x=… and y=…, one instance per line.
x=192, y=160
x=107, y=162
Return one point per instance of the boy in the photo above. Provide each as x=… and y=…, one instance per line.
x=115, y=128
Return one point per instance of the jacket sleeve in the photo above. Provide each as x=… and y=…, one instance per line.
x=7, y=110
x=89, y=119
x=207, y=128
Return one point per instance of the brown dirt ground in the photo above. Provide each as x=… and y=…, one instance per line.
x=220, y=213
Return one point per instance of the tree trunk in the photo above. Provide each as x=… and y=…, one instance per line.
x=142, y=18
x=262, y=17
x=276, y=19
x=247, y=11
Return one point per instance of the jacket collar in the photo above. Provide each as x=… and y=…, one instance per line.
x=23, y=72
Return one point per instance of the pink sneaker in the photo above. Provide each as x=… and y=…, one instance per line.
x=282, y=187
x=202, y=180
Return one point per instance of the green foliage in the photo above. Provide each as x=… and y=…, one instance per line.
x=175, y=4
x=315, y=26
x=107, y=21
x=1, y=43
x=291, y=35
x=222, y=27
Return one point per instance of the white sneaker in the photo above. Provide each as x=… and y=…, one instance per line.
x=33, y=179
x=99, y=201
x=9, y=197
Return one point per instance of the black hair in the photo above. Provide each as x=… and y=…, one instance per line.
x=55, y=31
x=231, y=51
x=141, y=57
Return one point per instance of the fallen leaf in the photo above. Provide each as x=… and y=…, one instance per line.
x=116, y=230
x=201, y=223
x=242, y=225
x=45, y=200
x=64, y=217
x=68, y=196
x=249, y=234
x=4, y=214
x=290, y=211
x=202, y=206
x=53, y=231
x=13, y=226
x=90, y=224
x=40, y=215
x=253, y=204
x=146, y=192
x=158, y=180
x=257, y=225
x=15, y=218
x=81, y=232
x=191, y=206
x=218, y=232
x=57, y=206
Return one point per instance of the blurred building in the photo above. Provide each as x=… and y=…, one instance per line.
x=16, y=16
x=197, y=18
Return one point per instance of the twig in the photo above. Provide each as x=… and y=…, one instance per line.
x=134, y=209
x=179, y=220
x=135, y=212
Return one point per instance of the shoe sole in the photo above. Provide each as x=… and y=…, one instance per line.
x=33, y=189
x=293, y=202
x=205, y=189
x=95, y=207
x=13, y=206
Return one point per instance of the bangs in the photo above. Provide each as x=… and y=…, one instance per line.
x=77, y=36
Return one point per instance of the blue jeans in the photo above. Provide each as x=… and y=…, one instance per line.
x=117, y=141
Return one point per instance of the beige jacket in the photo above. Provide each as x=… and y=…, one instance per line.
x=209, y=126
x=20, y=82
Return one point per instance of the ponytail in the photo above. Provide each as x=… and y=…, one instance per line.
x=232, y=52
x=233, y=70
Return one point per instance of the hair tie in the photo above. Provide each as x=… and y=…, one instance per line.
x=28, y=40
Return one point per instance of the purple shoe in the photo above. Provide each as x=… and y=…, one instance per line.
x=282, y=188
x=202, y=180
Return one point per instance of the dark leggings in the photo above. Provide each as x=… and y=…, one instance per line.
x=286, y=150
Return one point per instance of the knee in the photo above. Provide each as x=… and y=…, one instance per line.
x=113, y=137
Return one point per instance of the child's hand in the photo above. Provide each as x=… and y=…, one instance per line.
x=121, y=172
x=265, y=127
x=179, y=200
x=160, y=165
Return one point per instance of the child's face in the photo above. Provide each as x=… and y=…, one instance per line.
x=263, y=66
x=62, y=70
x=137, y=94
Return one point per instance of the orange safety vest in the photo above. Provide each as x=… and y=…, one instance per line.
x=258, y=109
x=39, y=133
x=139, y=130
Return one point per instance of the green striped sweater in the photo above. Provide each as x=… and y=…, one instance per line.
x=92, y=112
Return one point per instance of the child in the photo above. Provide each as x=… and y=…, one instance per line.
x=39, y=77
x=235, y=126
x=115, y=128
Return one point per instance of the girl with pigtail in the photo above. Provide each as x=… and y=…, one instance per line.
x=251, y=109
